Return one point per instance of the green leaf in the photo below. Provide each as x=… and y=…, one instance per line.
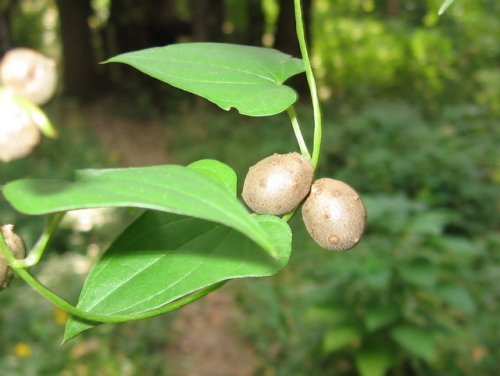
x=415, y=340
x=377, y=317
x=456, y=296
x=219, y=171
x=374, y=361
x=169, y=188
x=162, y=257
x=429, y=223
x=377, y=272
x=329, y=314
x=247, y=78
x=461, y=249
x=340, y=337
x=420, y=272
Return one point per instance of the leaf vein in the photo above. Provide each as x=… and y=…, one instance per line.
x=188, y=62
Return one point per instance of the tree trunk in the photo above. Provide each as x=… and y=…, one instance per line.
x=6, y=12
x=255, y=23
x=138, y=24
x=392, y=8
x=79, y=64
x=4, y=34
x=208, y=16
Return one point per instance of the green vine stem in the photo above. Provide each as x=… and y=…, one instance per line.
x=93, y=317
x=318, y=122
x=318, y=125
x=298, y=134
x=289, y=215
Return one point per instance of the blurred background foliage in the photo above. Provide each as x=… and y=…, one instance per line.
x=412, y=108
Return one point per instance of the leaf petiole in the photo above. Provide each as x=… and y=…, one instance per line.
x=289, y=215
x=38, y=250
x=64, y=305
x=444, y=7
x=298, y=134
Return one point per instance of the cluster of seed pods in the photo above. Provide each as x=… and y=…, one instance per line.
x=333, y=212
x=26, y=76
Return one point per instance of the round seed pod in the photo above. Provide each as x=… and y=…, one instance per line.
x=19, y=133
x=16, y=245
x=277, y=184
x=14, y=241
x=30, y=74
x=334, y=215
x=5, y=274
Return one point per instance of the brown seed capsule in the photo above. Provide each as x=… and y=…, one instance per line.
x=277, y=184
x=16, y=245
x=334, y=215
x=19, y=134
x=5, y=274
x=30, y=74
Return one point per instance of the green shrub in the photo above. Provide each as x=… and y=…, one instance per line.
x=448, y=163
x=408, y=302
x=418, y=292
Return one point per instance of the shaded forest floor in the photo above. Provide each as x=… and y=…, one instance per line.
x=206, y=342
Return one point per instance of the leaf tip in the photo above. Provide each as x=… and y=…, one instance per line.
x=114, y=59
x=67, y=337
x=110, y=60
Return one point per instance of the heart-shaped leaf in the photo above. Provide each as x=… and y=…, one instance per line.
x=378, y=316
x=456, y=296
x=374, y=361
x=169, y=188
x=231, y=76
x=162, y=257
x=418, y=341
x=420, y=272
x=337, y=338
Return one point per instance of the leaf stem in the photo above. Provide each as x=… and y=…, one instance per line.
x=318, y=126
x=64, y=305
x=289, y=215
x=38, y=250
x=445, y=6
x=298, y=134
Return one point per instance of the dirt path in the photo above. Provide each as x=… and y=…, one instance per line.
x=131, y=142
x=207, y=343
